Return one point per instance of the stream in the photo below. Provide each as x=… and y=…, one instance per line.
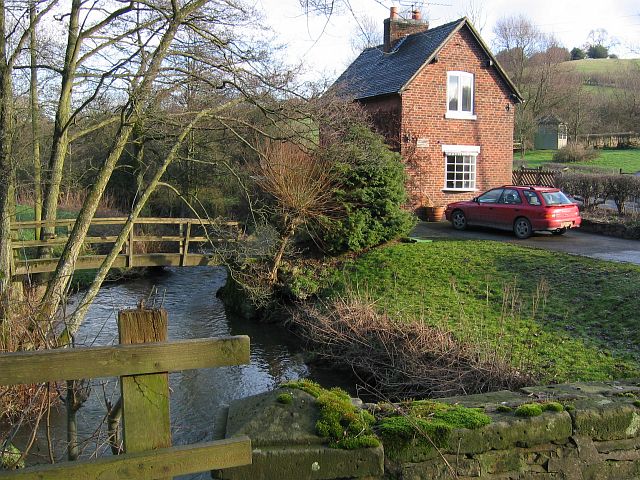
x=188, y=295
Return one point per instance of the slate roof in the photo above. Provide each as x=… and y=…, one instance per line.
x=376, y=73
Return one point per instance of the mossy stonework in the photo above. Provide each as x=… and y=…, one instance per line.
x=577, y=431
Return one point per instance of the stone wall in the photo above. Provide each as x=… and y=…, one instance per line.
x=611, y=229
x=596, y=436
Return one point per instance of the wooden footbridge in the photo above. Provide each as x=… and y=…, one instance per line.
x=152, y=242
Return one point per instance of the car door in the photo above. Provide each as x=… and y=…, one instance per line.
x=483, y=212
x=508, y=208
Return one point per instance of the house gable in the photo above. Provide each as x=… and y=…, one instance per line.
x=376, y=72
x=426, y=128
x=453, y=145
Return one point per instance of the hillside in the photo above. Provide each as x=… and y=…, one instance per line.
x=603, y=66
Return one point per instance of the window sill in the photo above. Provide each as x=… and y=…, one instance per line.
x=459, y=190
x=461, y=116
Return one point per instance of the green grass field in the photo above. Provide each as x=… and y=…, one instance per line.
x=610, y=160
x=559, y=316
x=602, y=65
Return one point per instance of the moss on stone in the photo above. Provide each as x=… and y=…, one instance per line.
x=285, y=398
x=504, y=409
x=10, y=456
x=625, y=394
x=552, y=407
x=529, y=410
x=344, y=425
x=425, y=424
x=636, y=403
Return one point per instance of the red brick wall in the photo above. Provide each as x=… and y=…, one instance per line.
x=424, y=128
x=385, y=115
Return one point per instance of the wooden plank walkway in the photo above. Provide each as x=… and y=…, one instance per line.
x=133, y=253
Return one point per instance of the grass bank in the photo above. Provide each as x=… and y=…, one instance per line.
x=561, y=317
x=611, y=160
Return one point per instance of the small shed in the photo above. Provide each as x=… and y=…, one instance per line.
x=551, y=134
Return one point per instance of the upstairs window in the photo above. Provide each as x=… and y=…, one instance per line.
x=460, y=95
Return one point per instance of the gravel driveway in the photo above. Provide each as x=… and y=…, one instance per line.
x=574, y=241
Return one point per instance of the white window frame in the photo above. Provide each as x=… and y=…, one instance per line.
x=459, y=113
x=469, y=151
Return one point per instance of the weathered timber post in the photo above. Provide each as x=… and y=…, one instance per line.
x=184, y=250
x=145, y=398
x=130, y=254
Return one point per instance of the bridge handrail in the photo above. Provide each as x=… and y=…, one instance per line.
x=61, y=222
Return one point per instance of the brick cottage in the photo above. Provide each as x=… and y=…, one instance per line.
x=441, y=99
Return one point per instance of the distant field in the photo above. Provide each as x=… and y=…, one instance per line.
x=611, y=160
x=603, y=65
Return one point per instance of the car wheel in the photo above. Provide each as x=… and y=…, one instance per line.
x=522, y=228
x=560, y=231
x=458, y=220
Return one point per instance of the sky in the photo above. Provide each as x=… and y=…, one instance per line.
x=324, y=47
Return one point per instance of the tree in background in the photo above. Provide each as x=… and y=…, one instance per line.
x=367, y=34
x=577, y=54
x=597, y=51
x=533, y=61
x=599, y=42
x=475, y=12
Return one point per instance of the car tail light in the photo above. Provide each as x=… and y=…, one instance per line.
x=550, y=215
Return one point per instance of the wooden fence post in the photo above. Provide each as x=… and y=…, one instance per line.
x=145, y=398
x=130, y=249
x=184, y=251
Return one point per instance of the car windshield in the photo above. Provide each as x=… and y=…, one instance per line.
x=555, y=198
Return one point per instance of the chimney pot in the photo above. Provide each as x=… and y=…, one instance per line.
x=396, y=28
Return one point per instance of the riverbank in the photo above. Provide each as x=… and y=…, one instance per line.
x=551, y=316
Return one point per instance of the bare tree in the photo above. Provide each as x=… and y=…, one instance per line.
x=366, y=34
x=300, y=186
x=474, y=11
x=15, y=29
x=516, y=40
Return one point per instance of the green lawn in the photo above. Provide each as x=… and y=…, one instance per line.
x=25, y=213
x=602, y=65
x=612, y=160
x=559, y=316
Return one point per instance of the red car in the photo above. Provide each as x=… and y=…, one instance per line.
x=521, y=209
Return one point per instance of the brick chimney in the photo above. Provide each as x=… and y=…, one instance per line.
x=396, y=28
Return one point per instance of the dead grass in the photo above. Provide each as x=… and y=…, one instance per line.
x=403, y=359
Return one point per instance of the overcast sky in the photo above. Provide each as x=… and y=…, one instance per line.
x=325, y=47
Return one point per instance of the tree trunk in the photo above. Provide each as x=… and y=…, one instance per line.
x=74, y=322
x=35, y=121
x=290, y=231
x=6, y=169
x=60, y=139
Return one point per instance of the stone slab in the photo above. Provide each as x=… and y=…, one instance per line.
x=268, y=422
x=308, y=463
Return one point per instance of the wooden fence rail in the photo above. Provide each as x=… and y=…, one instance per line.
x=133, y=254
x=142, y=361
x=534, y=176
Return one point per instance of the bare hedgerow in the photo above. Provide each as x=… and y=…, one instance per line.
x=402, y=359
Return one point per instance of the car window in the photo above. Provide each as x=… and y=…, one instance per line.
x=532, y=197
x=492, y=196
x=556, y=198
x=510, y=197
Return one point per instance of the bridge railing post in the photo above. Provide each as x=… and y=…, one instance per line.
x=130, y=246
x=184, y=245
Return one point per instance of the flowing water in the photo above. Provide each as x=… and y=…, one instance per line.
x=188, y=295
